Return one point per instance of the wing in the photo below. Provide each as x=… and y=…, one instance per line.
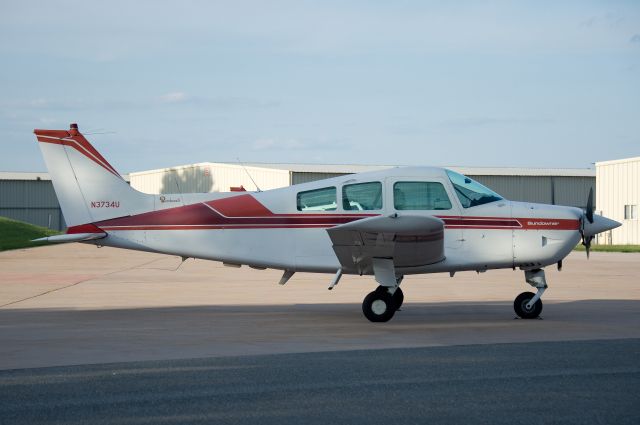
x=407, y=240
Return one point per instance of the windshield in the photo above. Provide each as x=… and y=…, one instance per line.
x=470, y=192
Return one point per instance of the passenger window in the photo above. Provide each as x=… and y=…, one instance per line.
x=362, y=196
x=420, y=196
x=324, y=199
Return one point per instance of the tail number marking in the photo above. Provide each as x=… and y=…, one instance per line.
x=105, y=204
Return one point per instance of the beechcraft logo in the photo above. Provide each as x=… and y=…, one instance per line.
x=164, y=199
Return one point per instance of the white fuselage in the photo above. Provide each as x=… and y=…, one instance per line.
x=267, y=230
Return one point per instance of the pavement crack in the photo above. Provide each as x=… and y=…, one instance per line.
x=76, y=283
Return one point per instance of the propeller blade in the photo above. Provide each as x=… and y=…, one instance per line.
x=586, y=241
x=589, y=212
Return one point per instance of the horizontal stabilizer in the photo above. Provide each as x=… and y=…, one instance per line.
x=73, y=237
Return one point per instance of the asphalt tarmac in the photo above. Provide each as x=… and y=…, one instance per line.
x=580, y=382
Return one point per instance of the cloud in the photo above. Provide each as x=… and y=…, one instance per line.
x=221, y=103
x=170, y=99
x=174, y=97
x=39, y=103
x=495, y=121
x=607, y=20
x=635, y=39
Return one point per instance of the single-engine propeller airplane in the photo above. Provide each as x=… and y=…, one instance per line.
x=389, y=224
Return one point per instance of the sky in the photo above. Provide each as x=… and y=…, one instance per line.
x=470, y=83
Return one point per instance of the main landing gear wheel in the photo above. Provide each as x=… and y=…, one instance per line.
x=378, y=306
x=398, y=296
x=520, y=306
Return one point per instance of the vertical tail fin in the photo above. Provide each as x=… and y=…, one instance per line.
x=89, y=189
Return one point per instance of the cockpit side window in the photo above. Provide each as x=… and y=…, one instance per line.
x=470, y=192
x=362, y=196
x=420, y=196
x=324, y=199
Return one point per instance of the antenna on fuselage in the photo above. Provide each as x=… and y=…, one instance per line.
x=247, y=171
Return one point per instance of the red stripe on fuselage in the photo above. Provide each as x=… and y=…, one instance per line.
x=481, y=222
x=197, y=216
x=240, y=206
x=549, y=223
x=219, y=227
x=510, y=223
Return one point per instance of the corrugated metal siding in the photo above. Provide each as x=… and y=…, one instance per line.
x=27, y=193
x=233, y=176
x=570, y=191
x=520, y=188
x=45, y=217
x=304, y=177
x=619, y=185
x=31, y=201
x=574, y=191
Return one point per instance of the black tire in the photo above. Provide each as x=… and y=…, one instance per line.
x=378, y=306
x=520, y=306
x=381, y=288
x=398, y=298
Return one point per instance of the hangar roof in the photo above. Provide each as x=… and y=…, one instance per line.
x=20, y=175
x=475, y=171
x=618, y=161
x=17, y=175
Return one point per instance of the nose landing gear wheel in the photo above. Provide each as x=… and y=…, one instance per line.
x=520, y=306
x=378, y=306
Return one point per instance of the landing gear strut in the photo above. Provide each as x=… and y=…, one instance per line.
x=528, y=305
x=397, y=297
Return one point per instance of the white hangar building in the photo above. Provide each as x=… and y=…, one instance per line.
x=618, y=197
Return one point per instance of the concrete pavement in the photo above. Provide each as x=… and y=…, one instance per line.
x=77, y=304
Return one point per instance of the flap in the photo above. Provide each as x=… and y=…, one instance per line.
x=409, y=240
